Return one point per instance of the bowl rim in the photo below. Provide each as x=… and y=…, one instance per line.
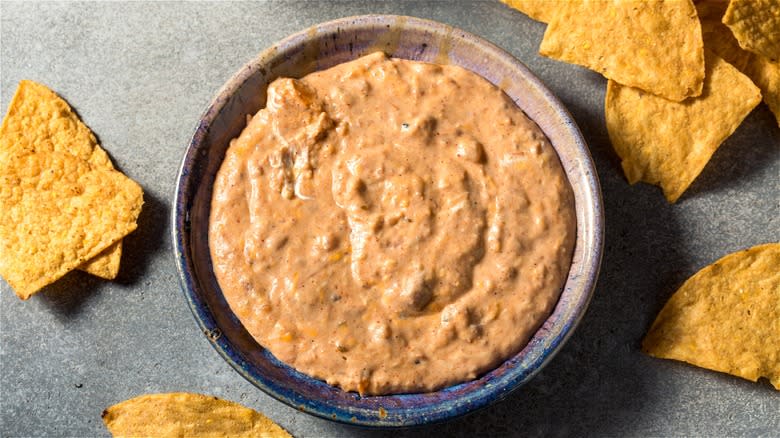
x=180, y=226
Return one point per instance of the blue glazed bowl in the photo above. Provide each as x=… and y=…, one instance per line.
x=320, y=47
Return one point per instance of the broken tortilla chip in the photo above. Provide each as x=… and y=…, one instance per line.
x=56, y=211
x=539, y=10
x=38, y=120
x=652, y=45
x=756, y=25
x=668, y=143
x=726, y=317
x=187, y=415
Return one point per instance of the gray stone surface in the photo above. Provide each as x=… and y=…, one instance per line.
x=140, y=74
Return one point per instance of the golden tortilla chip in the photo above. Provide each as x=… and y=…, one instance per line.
x=40, y=121
x=718, y=37
x=652, y=45
x=187, y=415
x=766, y=74
x=56, y=211
x=106, y=264
x=726, y=317
x=539, y=10
x=756, y=25
x=668, y=143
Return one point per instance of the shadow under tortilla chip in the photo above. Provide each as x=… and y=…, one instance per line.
x=56, y=211
x=652, y=45
x=726, y=317
x=187, y=415
x=668, y=143
x=38, y=120
x=756, y=25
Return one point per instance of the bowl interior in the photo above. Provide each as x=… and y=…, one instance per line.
x=320, y=47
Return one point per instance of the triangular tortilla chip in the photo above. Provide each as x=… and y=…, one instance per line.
x=726, y=317
x=668, y=143
x=187, y=415
x=756, y=25
x=718, y=38
x=56, y=211
x=652, y=45
x=40, y=121
x=539, y=10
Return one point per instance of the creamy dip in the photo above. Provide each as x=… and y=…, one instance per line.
x=391, y=226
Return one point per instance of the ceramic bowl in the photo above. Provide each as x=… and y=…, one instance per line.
x=320, y=47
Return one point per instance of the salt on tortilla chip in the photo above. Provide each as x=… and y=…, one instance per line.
x=766, y=74
x=756, y=25
x=187, y=415
x=539, y=10
x=38, y=120
x=726, y=317
x=56, y=211
x=652, y=45
x=668, y=143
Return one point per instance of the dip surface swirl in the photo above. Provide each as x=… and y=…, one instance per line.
x=391, y=226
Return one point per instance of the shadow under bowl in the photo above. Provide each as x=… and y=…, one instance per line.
x=320, y=47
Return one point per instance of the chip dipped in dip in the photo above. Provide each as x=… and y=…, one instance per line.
x=391, y=226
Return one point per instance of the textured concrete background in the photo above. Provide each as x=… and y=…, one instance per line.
x=140, y=74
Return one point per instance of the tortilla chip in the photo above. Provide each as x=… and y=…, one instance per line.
x=756, y=25
x=726, y=317
x=718, y=37
x=766, y=75
x=668, y=143
x=652, y=45
x=40, y=121
x=106, y=264
x=187, y=415
x=539, y=10
x=56, y=211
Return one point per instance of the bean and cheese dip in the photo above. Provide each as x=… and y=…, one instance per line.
x=391, y=226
